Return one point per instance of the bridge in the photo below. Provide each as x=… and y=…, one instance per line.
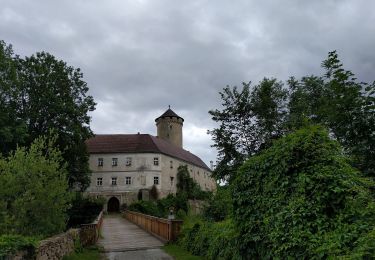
x=121, y=239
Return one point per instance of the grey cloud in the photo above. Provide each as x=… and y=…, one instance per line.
x=140, y=56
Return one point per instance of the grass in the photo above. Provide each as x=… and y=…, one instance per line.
x=179, y=253
x=89, y=253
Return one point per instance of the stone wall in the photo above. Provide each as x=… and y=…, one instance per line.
x=57, y=246
x=89, y=233
x=196, y=206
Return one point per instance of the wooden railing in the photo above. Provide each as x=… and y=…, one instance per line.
x=164, y=229
x=89, y=233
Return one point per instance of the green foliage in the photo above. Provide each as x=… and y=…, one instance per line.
x=219, y=206
x=10, y=244
x=84, y=210
x=211, y=240
x=154, y=192
x=178, y=202
x=78, y=248
x=40, y=93
x=186, y=184
x=251, y=118
x=179, y=253
x=301, y=199
x=341, y=103
x=12, y=129
x=145, y=207
x=90, y=253
x=34, y=196
x=160, y=208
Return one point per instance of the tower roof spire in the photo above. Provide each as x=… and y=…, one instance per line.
x=169, y=113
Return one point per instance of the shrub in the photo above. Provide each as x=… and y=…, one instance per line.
x=219, y=205
x=34, y=194
x=224, y=243
x=211, y=240
x=186, y=184
x=10, y=244
x=84, y=210
x=145, y=207
x=154, y=193
x=178, y=202
x=301, y=199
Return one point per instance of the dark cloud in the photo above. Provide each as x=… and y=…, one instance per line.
x=140, y=56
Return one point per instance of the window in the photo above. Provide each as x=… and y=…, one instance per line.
x=128, y=180
x=156, y=161
x=114, y=161
x=114, y=181
x=100, y=161
x=172, y=180
x=99, y=181
x=156, y=180
x=128, y=161
x=171, y=164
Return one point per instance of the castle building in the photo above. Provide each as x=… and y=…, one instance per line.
x=126, y=166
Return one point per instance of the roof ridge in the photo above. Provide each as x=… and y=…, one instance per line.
x=141, y=143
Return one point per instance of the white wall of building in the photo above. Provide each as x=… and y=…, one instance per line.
x=142, y=172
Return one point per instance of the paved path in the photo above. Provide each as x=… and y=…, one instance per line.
x=121, y=239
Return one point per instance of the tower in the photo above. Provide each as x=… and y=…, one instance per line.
x=169, y=127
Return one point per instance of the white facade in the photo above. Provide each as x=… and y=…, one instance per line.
x=124, y=166
x=137, y=171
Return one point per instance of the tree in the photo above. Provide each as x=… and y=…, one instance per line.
x=250, y=120
x=34, y=194
x=341, y=103
x=42, y=94
x=187, y=185
x=253, y=117
x=12, y=128
x=300, y=198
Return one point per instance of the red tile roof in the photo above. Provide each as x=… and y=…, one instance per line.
x=140, y=143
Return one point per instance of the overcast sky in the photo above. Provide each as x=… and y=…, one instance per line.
x=138, y=57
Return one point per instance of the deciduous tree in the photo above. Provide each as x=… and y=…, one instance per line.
x=250, y=119
x=40, y=93
x=34, y=194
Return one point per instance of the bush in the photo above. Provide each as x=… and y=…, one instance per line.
x=160, y=208
x=178, y=202
x=145, y=207
x=34, y=192
x=211, y=240
x=84, y=210
x=219, y=205
x=10, y=244
x=301, y=199
x=224, y=243
x=154, y=193
x=186, y=184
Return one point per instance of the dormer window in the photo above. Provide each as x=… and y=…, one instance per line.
x=100, y=162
